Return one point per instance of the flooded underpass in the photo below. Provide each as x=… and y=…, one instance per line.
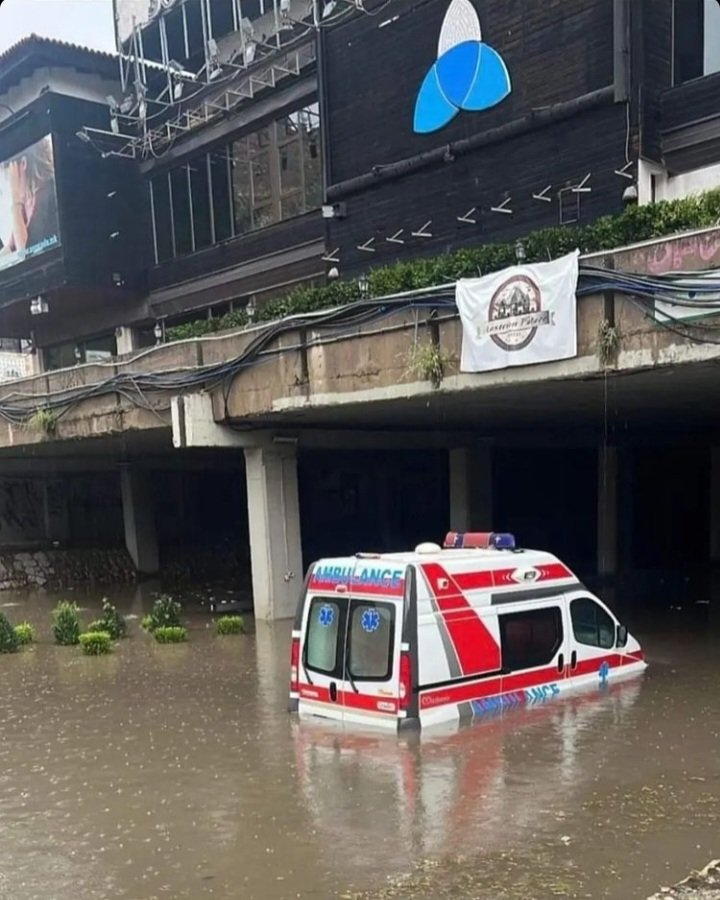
x=175, y=771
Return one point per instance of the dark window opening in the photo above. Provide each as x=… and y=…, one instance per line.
x=592, y=626
x=221, y=197
x=182, y=215
x=371, y=641
x=696, y=28
x=530, y=639
x=162, y=217
x=200, y=189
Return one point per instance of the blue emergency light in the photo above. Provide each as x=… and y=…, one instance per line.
x=479, y=540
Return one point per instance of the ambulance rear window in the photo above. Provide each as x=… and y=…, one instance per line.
x=370, y=640
x=322, y=642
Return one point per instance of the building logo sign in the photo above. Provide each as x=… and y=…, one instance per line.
x=468, y=74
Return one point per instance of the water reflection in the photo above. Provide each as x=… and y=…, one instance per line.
x=481, y=788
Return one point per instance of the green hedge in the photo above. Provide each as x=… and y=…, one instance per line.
x=637, y=223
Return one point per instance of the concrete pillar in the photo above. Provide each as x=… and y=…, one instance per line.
x=471, y=499
x=274, y=519
x=607, y=511
x=127, y=340
x=139, y=519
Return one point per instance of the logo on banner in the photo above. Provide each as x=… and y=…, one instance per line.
x=468, y=75
x=515, y=313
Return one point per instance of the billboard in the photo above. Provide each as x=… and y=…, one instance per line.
x=29, y=224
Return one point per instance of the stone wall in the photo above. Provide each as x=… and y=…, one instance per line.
x=58, y=569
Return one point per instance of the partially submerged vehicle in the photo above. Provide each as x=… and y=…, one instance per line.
x=439, y=635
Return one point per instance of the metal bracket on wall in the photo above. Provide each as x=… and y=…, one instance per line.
x=423, y=232
x=467, y=218
x=395, y=238
x=542, y=195
x=504, y=207
x=367, y=247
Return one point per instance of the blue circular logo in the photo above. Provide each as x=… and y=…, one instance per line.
x=326, y=616
x=370, y=620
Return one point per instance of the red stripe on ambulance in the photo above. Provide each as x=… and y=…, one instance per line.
x=476, y=649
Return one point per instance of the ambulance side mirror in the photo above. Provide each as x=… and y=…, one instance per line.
x=622, y=636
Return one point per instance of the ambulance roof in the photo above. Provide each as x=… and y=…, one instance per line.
x=472, y=556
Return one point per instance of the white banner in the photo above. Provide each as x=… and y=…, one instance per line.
x=520, y=316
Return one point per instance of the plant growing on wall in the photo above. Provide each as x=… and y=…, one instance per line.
x=66, y=627
x=44, y=421
x=9, y=641
x=427, y=361
x=608, y=343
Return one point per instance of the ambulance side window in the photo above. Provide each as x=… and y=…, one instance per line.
x=322, y=636
x=530, y=639
x=592, y=626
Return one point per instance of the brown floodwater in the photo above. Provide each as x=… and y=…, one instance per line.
x=177, y=772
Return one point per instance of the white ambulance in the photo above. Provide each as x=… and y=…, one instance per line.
x=440, y=635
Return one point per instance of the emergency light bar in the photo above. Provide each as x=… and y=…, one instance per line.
x=479, y=540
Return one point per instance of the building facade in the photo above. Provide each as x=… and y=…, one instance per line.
x=239, y=148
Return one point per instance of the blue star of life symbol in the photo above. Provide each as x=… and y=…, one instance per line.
x=326, y=616
x=370, y=620
x=603, y=672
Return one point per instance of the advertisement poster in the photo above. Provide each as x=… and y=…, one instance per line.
x=29, y=224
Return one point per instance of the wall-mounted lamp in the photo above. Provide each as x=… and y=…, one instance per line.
x=520, y=254
x=39, y=306
x=159, y=332
x=78, y=355
x=363, y=286
x=251, y=310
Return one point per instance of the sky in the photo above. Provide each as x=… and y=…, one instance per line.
x=86, y=22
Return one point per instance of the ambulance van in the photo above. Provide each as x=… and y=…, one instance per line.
x=440, y=635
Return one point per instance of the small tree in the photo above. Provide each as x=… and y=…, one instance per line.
x=67, y=624
x=165, y=614
x=9, y=641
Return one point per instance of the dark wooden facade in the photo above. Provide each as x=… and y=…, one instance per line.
x=560, y=124
x=100, y=207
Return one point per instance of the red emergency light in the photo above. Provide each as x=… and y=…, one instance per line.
x=479, y=540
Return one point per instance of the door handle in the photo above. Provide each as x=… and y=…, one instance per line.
x=561, y=663
x=573, y=660
x=333, y=692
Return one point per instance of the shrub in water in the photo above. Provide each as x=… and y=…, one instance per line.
x=9, y=641
x=98, y=625
x=146, y=623
x=25, y=633
x=170, y=634
x=165, y=613
x=96, y=643
x=230, y=625
x=112, y=622
x=67, y=624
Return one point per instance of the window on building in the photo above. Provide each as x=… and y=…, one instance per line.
x=181, y=209
x=200, y=195
x=271, y=174
x=591, y=624
x=696, y=28
x=72, y=353
x=221, y=194
x=530, y=639
x=162, y=217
